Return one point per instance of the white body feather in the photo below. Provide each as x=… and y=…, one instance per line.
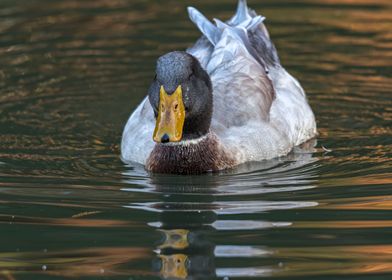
x=250, y=123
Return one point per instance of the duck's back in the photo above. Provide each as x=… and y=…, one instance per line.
x=260, y=110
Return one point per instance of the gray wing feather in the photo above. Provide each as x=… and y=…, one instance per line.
x=137, y=143
x=256, y=38
x=202, y=50
x=254, y=23
x=206, y=27
x=242, y=14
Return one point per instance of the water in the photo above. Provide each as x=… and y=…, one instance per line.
x=72, y=71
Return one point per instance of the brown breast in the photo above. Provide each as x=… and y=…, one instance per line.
x=206, y=155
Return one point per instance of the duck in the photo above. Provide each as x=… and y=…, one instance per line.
x=223, y=102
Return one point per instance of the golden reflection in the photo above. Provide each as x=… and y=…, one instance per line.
x=376, y=268
x=323, y=268
x=359, y=203
x=376, y=179
x=7, y=275
x=176, y=239
x=69, y=222
x=377, y=253
x=174, y=266
x=80, y=262
x=337, y=260
x=369, y=20
x=378, y=130
x=343, y=224
x=184, y=253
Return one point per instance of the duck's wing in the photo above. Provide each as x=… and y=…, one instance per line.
x=260, y=111
x=238, y=73
x=243, y=92
x=259, y=37
x=203, y=47
x=202, y=50
x=137, y=142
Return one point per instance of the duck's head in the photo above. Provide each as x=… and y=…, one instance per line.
x=181, y=96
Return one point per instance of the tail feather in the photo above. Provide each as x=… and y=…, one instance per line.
x=243, y=34
x=246, y=25
x=242, y=13
x=220, y=24
x=252, y=23
x=214, y=32
x=206, y=27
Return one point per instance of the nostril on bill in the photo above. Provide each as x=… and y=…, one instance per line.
x=165, y=138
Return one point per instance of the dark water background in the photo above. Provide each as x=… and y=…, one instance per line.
x=72, y=71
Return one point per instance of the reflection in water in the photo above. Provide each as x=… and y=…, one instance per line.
x=77, y=263
x=190, y=213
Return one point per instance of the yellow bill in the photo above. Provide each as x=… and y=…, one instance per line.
x=171, y=117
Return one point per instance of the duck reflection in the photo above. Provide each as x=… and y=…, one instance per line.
x=184, y=252
x=194, y=210
x=187, y=223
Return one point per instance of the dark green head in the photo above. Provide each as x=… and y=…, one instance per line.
x=181, y=96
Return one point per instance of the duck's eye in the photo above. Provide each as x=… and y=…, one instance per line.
x=162, y=108
x=175, y=106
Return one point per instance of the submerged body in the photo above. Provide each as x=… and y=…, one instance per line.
x=258, y=110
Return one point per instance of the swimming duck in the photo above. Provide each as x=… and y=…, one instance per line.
x=223, y=102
